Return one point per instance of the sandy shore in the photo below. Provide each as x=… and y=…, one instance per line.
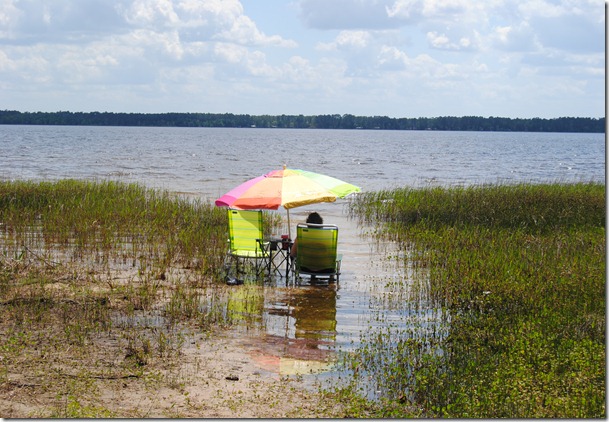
x=213, y=378
x=51, y=372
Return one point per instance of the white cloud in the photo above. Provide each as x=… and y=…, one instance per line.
x=144, y=37
x=391, y=58
x=222, y=20
x=348, y=40
x=444, y=42
x=415, y=11
x=518, y=37
x=405, y=9
x=151, y=13
x=334, y=56
x=547, y=9
x=444, y=8
x=9, y=14
x=422, y=67
x=243, y=31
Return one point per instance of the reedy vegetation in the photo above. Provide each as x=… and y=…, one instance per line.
x=112, y=221
x=507, y=308
x=97, y=280
x=505, y=312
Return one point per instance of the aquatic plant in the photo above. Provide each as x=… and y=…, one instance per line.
x=103, y=281
x=512, y=320
x=502, y=311
x=111, y=222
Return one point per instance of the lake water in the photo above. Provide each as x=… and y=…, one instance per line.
x=208, y=161
x=301, y=326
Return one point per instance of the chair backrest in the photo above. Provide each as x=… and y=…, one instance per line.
x=245, y=230
x=316, y=247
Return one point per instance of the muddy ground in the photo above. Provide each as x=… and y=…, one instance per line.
x=217, y=379
x=60, y=356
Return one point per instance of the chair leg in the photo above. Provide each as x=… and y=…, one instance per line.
x=231, y=270
x=261, y=268
x=226, y=267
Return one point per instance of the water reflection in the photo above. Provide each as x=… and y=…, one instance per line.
x=245, y=305
x=295, y=326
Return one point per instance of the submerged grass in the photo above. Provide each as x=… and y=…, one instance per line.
x=512, y=319
x=111, y=221
x=505, y=317
x=102, y=283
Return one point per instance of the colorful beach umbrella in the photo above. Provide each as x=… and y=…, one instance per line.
x=287, y=188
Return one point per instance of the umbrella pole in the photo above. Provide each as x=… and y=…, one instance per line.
x=288, y=252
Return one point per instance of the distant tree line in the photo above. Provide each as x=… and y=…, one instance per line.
x=330, y=121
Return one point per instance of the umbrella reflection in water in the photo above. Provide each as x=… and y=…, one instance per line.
x=300, y=331
x=299, y=324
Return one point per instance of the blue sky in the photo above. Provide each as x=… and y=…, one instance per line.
x=396, y=58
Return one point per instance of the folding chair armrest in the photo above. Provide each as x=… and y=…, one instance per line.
x=264, y=245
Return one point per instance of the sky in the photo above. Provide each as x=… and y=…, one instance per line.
x=395, y=58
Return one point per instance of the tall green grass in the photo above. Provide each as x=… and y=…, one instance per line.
x=102, y=281
x=111, y=221
x=514, y=277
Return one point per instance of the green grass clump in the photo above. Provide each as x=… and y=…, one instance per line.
x=517, y=277
x=111, y=221
x=533, y=208
x=102, y=283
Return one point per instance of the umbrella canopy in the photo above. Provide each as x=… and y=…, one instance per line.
x=288, y=188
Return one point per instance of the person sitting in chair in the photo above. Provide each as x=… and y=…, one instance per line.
x=313, y=218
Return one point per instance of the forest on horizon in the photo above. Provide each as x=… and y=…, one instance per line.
x=327, y=121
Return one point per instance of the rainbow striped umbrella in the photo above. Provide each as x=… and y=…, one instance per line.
x=287, y=188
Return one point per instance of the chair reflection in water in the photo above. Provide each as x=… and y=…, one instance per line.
x=246, y=244
x=301, y=331
x=317, y=255
x=314, y=318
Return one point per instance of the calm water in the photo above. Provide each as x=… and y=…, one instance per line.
x=300, y=327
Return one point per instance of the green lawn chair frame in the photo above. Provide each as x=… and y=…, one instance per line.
x=316, y=255
x=246, y=242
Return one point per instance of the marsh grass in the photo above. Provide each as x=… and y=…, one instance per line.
x=102, y=282
x=503, y=307
x=512, y=319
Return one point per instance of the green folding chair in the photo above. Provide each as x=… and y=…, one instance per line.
x=316, y=254
x=246, y=242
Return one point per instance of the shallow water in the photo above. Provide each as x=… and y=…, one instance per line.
x=298, y=329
